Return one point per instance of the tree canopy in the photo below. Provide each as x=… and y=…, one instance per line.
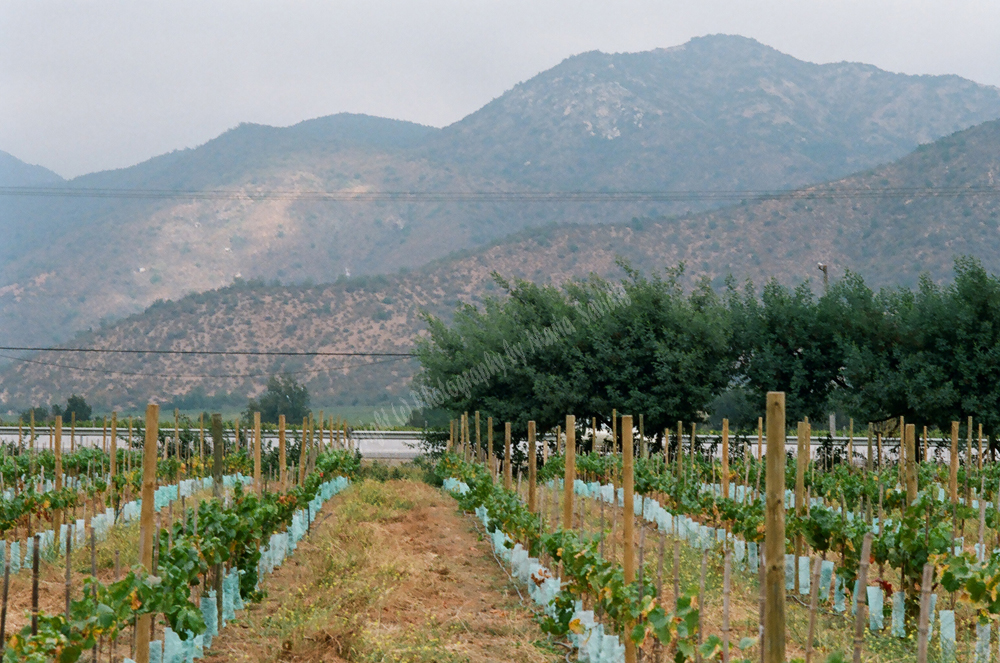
x=285, y=396
x=643, y=345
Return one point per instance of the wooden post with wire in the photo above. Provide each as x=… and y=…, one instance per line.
x=861, y=599
x=801, y=461
x=774, y=534
x=532, y=470
x=258, y=485
x=508, y=473
x=113, y=462
x=146, y=523
x=953, y=475
x=725, y=458
x=628, y=561
x=911, y=464
x=570, y=475
x=282, y=468
x=57, y=515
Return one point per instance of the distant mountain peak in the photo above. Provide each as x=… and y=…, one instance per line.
x=14, y=172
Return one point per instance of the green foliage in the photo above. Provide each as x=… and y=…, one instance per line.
x=640, y=345
x=285, y=396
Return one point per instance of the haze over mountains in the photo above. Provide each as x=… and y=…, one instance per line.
x=719, y=113
x=890, y=224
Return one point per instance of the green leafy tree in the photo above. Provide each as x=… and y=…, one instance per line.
x=77, y=404
x=285, y=396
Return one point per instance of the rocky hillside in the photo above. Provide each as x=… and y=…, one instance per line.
x=718, y=113
x=889, y=224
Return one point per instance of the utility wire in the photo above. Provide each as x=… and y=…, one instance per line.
x=238, y=353
x=830, y=192
x=89, y=369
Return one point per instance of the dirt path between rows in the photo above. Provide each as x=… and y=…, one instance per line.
x=390, y=572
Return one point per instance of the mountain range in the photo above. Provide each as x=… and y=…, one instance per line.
x=719, y=113
x=890, y=224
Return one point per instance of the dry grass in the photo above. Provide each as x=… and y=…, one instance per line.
x=390, y=572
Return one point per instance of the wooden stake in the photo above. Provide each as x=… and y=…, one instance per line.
x=532, y=469
x=774, y=537
x=201, y=440
x=927, y=447
x=628, y=515
x=850, y=447
x=570, y=473
x=57, y=516
x=508, y=472
x=911, y=464
x=701, y=604
x=479, y=446
x=34, y=584
x=801, y=460
x=282, y=468
x=760, y=437
x=177, y=434
x=146, y=522
x=257, y=485
x=113, y=462
x=72, y=433
x=814, y=603
x=925, y=612
x=304, y=450
x=861, y=599
x=694, y=436
x=725, y=607
x=980, y=447
x=69, y=566
x=725, y=458
x=870, y=434
x=953, y=478
x=680, y=450
x=489, y=444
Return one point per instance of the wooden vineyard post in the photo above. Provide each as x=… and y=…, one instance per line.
x=680, y=450
x=871, y=429
x=760, y=437
x=490, y=455
x=850, y=445
x=532, y=469
x=614, y=431
x=953, y=476
x=725, y=458
x=694, y=436
x=801, y=460
x=201, y=440
x=72, y=431
x=725, y=605
x=911, y=464
x=479, y=445
x=177, y=434
x=57, y=449
x=508, y=473
x=925, y=612
x=304, y=450
x=628, y=562
x=570, y=475
x=968, y=464
x=282, y=469
x=644, y=450
x=113, y=462
x=218, y=442
x=813, y=606
x=257, y=485
x=980, y=447
x=927, y=448
x=774, y=536
x=902, y=453
x=861, y=598
x=146, y=522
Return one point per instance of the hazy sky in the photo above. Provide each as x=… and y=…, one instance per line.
x=92, y=85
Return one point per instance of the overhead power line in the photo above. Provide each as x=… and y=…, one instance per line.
x=520, y=196
x=250, y=353
x=102, y=371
